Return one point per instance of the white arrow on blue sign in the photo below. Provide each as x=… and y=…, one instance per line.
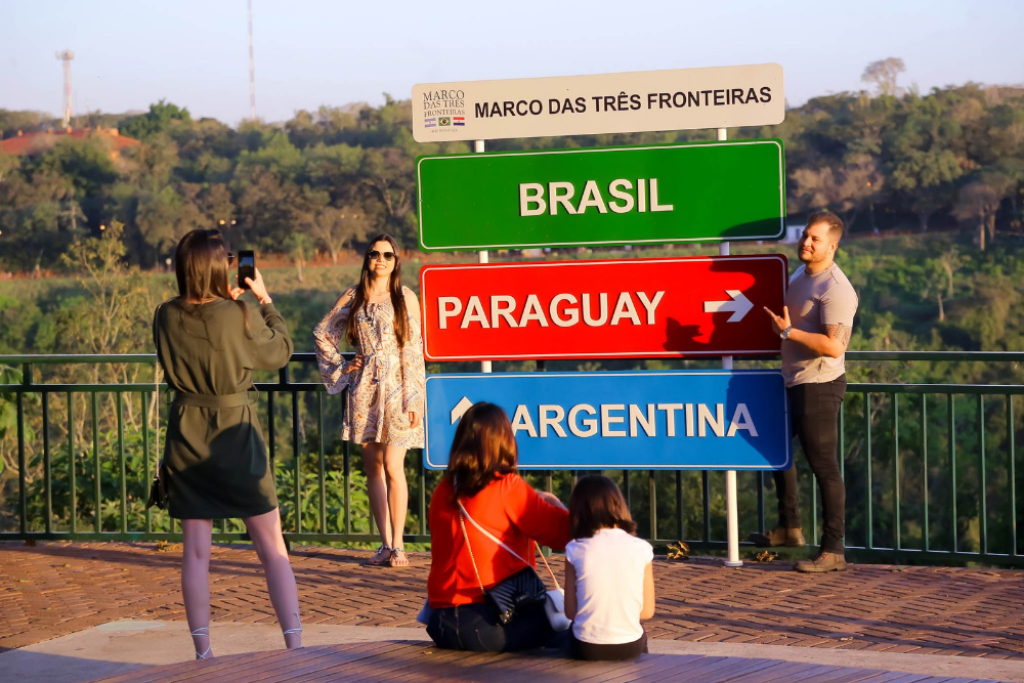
x=700, y=419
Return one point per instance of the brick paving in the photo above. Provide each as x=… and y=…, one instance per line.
x=54, y=589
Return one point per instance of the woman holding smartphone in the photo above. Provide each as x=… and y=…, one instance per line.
x=215, y=459
x=380, y=319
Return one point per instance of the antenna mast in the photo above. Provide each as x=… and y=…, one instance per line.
x=252, y=70
x=69, y=110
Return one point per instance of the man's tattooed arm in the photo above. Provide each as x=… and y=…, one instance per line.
x=840, y=333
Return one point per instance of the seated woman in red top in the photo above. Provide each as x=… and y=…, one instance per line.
x=482, y=475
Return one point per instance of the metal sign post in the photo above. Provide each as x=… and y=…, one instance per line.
x=479, y=148
x=731, y=504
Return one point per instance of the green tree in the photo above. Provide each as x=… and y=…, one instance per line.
x=884, y=74
x=160, y=118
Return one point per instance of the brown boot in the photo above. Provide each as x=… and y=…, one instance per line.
x=791, y=538
x=822, y=562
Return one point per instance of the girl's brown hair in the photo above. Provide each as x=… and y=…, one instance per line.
x=394, y=286
x=597, y=503
x=201, y=267
x=484, y=448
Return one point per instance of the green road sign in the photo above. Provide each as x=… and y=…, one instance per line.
x=690, y=192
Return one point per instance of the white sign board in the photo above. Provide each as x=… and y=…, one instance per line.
x=679, y=99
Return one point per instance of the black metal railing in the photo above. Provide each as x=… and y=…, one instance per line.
x=930, y=468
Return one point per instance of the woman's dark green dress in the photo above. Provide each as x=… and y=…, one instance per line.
x=215, y=458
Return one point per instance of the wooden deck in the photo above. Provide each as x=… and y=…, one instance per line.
x=410, y=662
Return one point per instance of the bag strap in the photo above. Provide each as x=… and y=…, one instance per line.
x=476, y=571
x=546, y=565
x=464, y=513
x=488, y=534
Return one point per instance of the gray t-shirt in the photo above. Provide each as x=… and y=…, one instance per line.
x=825, y=298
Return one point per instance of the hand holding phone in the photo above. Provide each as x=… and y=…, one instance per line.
x=246, y=268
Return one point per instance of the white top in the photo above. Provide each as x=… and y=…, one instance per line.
x=609, y=586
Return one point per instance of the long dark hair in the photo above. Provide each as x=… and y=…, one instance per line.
x=597, y=503
x=484, y=447
x=201, y=267
x=394, y=286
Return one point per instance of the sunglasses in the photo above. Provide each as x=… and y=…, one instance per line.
x=375, y=255
x=231, y=257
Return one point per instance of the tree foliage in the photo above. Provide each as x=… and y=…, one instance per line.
x=895, y=161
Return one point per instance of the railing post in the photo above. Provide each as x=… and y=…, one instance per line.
x=22, y=493
x=323, y=461
x=951, y=430
x=47, y=471
x=924, y=457
x=870, y=492
x=347, y=468
x=1011, y=438
x=73, y=522
x=296, y=451
x=653, y=503
x=896, y=460
x=121, y=458
x=145, y=456
x=982, y=482
x=680, y=532
x=96, y=462
x=706, y=495
x=423, y=495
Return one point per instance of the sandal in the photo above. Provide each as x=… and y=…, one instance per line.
x=203, y=632
x=398, y=558
x=381, y=556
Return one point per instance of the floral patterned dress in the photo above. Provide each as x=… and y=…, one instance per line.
x=390, y=384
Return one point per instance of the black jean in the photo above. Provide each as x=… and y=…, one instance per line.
x=592, y=652
x=814, y=415
x=476, y=628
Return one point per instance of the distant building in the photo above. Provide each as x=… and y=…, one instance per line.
x=793, y=232
x=29, y=144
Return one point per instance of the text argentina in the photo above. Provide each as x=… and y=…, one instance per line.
x=630, y=420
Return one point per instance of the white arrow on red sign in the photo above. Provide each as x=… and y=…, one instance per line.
x=738, y=305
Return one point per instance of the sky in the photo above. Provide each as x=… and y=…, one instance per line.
x=194, y=53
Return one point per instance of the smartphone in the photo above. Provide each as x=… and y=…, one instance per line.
x=246, y=268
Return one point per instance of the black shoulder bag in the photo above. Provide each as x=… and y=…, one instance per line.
x=521, y=592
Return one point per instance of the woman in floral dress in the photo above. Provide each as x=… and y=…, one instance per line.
x=380, y=319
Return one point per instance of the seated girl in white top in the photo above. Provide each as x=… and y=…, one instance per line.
x=609, y=579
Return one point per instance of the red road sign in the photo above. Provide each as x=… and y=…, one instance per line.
x=629, y=308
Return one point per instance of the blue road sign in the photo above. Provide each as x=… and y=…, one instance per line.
x=700, y=419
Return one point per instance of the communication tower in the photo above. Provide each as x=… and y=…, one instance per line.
x=252, y=70
x=66, y=56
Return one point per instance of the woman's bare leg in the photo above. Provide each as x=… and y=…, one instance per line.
x=398, y=498
x=376, y=489
x=195, y=581
x=265, y=531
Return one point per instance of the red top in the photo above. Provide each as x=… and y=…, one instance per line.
x=508, y=508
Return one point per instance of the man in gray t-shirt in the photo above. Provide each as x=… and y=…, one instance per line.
x=815, y=326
